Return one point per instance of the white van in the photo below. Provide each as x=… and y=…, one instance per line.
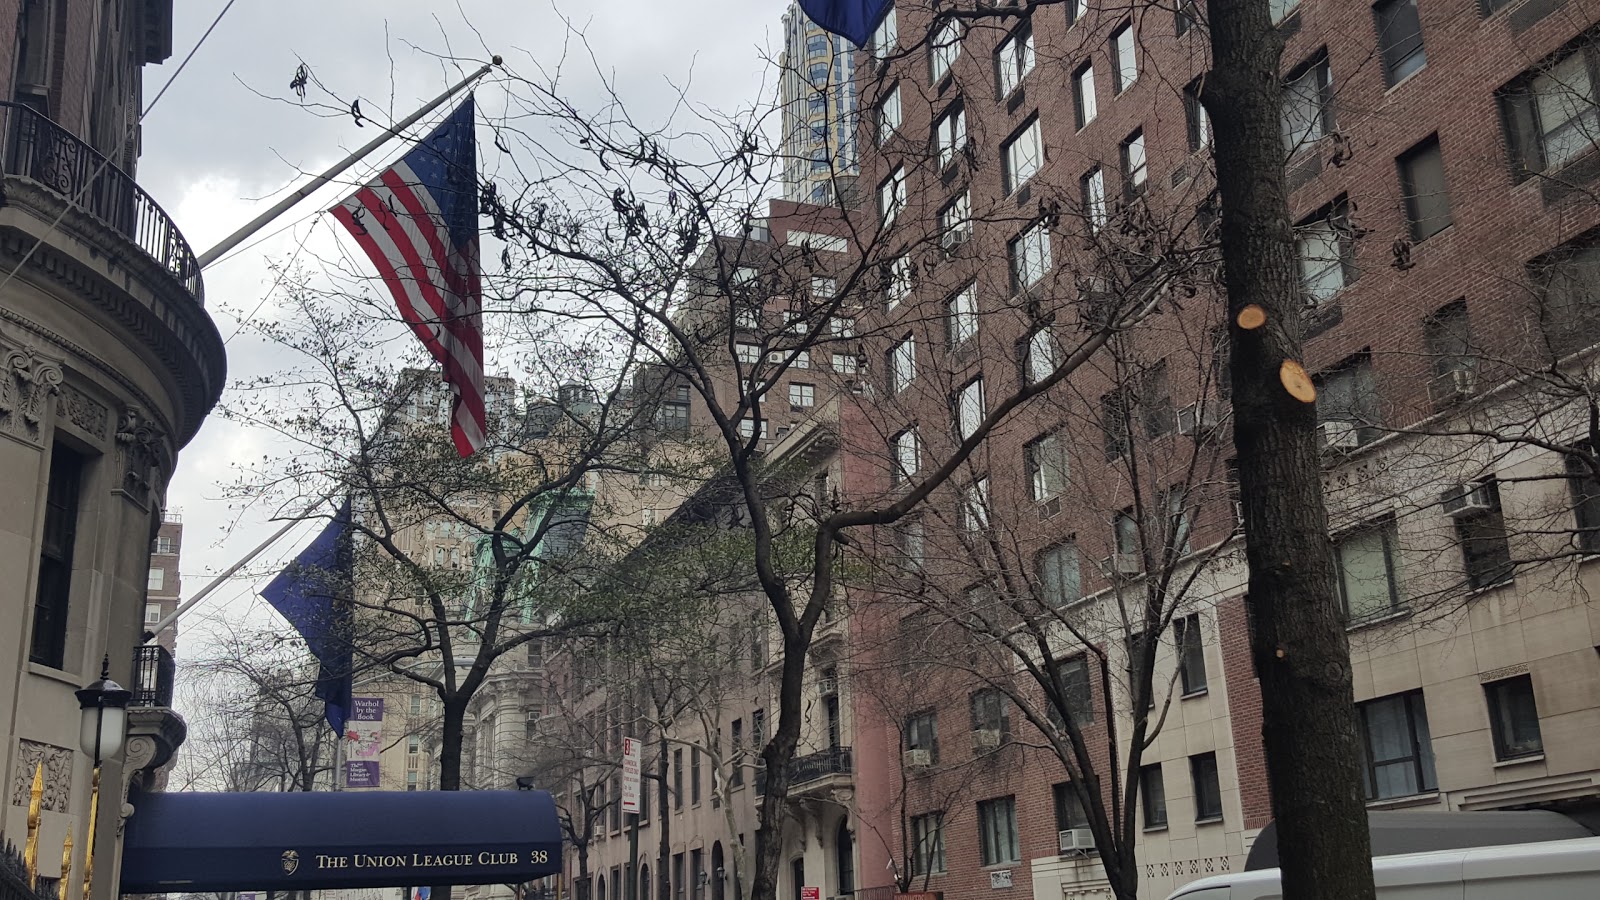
x=1551, y=870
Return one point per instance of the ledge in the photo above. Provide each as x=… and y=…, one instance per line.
x=1409, y=800
x=1519, y=760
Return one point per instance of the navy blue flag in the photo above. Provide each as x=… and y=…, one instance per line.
x=854, y=20
x=313, y=593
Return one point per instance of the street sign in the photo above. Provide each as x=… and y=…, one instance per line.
x=810, y=892
x=632, y=775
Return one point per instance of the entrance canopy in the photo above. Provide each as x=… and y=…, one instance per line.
x=310, y=841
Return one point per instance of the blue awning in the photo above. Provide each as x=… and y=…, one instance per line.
x=309, y=841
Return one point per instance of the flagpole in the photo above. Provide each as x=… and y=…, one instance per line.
x=172, y=617
x=304, y=191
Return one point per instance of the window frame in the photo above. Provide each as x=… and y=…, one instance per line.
x=1394, y=56
x=1121, y=81
x=1085, y=105
x=1155, y=816
x=1093, y=187
x=1421, y=226
x=1583, y=488
x=961, y=316
x=948, y=147
x=906, y=448
x=998, y=843
x=1029, y=256
x=1039, y=467
x=1490, y=567
x=1189, y=638
x=1014, y=54
x=971, y=407
x=1423, y=766
x=1061, y=565
x=1028, y=134
x=1387, y=532
x=892, y=196
x=902, y=364
x=932, y=862
x=1501, y=717
x=1334, y=219
x=1208, y=806
x=1135, y=164
x=942, y=57
x=1322, y=121
x=955, y=221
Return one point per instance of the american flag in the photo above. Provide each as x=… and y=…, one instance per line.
x=418, y=223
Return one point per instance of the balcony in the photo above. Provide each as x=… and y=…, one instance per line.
x=155, y=730
x=815, y=775
x=39, y=149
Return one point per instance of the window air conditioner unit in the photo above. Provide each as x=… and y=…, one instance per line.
x=1340, y=435
x=1076, y=840
x=950, y=240
x=858, y=387
x=1453, y=385
x=917, y=758
x=828, y=685
x=985, y=739
x=1197, y=416
x=1465, y=500
x=1120, y=565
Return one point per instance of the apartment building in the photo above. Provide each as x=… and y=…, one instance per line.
x=164, y=589
x=108, y=364
x=817, y=97
x=1438, y=155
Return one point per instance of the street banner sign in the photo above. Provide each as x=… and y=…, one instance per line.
x=365, y=734
x=632, y=775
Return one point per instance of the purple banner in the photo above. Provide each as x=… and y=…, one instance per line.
x=361, y=773
x=366, y=709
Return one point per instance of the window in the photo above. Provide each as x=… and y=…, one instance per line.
x=1094, y=198
x=897, y=281
x=1022, y=155
x=1069, y=809
x=885, y=38
x=975, y=506
x=1585, y=488
x=846, y=363
x=1207, y=789
x=165, y=544
x=1400, y=37
x=1326, y=252
x=892, y=196
x=802, y=360
x=1365, y=559
x=1187, y=17
x=1569, y=301
x=677, y=876
x=922, y=733
x=945, y=49
x=1046, y=459
x=1029, y=254
x=902, y=364
x=1485, y=551
x=1013, y=59
x=152, y=613
x=803, y=396
x=1038, y=356
x=1447, y=336
x=1196, y=117
x=955, y=222
x=1083, y=94
x=48, y=643
x=1396, y=750
x=989, y=711
x=1155, y=402
x=736, y=757
x=747, y=354
x=816, y=45
x=1423, y=184
x=927, y=832
x=677, y=778
x=1514, y=717
x=1349, y=394
x=694, y=775
x=970, y=408
x=907, y=456
x=823, y=288
x=961, y=316
x=1124, y=59
x=411, y=780
x=1282, y=8
x=1191, y=653
x=950, y=133
x=843, y=327
x=1072, y=682
x=889, y=115
x=749, y=428
x=747, y=317
x=912, y=546
x=817, y=74
x=1135, y=171
x=1076, y=10
x=1056, y=568
x=1179, y=519
x=1307, y=105
x=1153, y=791
x=1115, y=407
x=1552, y=114
x=156, y=579
x=1125, y=533
x=997, y=828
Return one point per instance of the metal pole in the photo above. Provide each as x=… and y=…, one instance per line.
x=633, y=856
x=305, y=190
x=171, y=617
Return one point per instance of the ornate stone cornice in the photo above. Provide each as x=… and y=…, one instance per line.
x=161, y=314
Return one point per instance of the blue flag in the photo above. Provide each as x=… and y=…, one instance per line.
x=313, y=593
x=854, y=20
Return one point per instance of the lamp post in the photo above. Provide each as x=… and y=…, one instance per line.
x=103, y=707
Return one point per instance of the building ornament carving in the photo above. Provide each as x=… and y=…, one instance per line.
x=57, y=775
x=141, y=453
x=26, y=379
x=83, y=411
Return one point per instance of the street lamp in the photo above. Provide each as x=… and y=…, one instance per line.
x=101, y=730
x=525, y=782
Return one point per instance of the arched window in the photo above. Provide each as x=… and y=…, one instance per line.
x=719, y=875
x=844, y=850
x=644, y=881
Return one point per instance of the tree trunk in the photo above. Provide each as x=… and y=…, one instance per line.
x=779, y=757
x=584, y=888
x=450, y=739
x=1301, y=651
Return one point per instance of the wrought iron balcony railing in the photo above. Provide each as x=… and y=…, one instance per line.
x=153, y=673
x=812, y=767
x=38, y=148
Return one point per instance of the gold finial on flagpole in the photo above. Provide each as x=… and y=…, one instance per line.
x=30, y=850
x=66, y=868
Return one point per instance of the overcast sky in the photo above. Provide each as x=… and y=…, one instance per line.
x=215, y=151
